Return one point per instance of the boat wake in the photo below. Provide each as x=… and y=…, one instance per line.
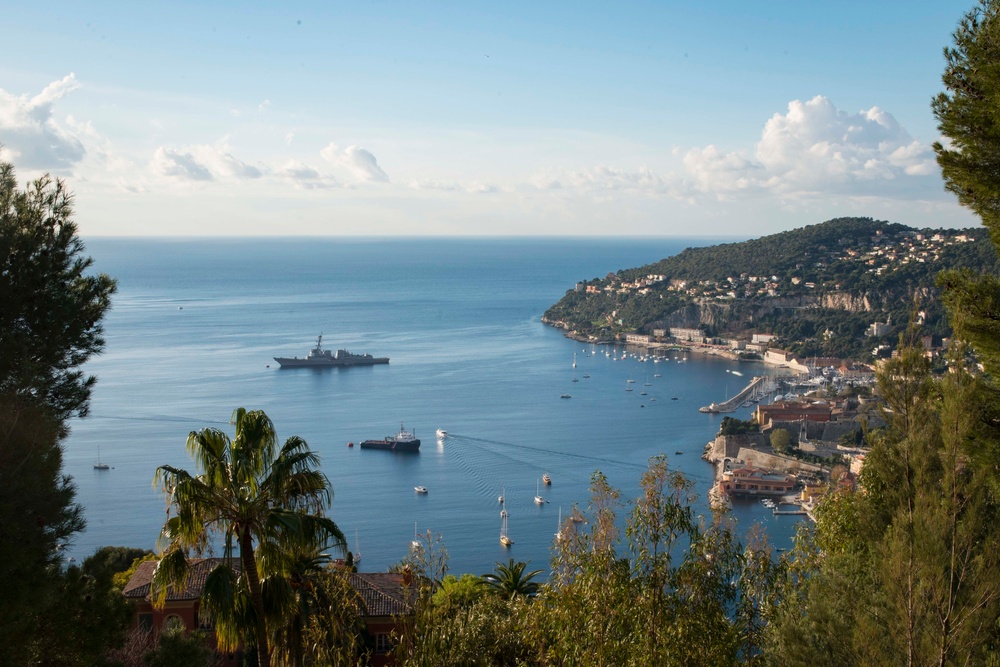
x=487, y=444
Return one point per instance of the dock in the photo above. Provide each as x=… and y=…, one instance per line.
x=757, y=387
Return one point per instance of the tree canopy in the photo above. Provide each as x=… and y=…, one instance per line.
x=50, y=324
x=53, y=304
x=266, y=504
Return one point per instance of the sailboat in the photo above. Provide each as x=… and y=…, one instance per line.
x=574, y=360
x=559, y=525
x=357, y=554
x=538, y=499
x=99, y=465
x=415, y=545
x=504, y=539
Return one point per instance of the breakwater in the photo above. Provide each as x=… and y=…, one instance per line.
x=757, y=387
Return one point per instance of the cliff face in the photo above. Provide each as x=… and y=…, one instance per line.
x=850, y=302
x=723, y=315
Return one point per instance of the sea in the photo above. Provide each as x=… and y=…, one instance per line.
x=196, y=324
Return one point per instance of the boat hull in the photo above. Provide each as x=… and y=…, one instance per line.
x=295, y=362
x=392, y=445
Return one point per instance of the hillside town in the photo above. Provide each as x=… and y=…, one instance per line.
x=881, y=254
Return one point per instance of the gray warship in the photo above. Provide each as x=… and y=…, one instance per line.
x=320, y=358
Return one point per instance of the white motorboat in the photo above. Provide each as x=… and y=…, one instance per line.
x=420, y=489
x=441, y=433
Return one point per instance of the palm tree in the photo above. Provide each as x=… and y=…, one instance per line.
x=511, y=580
x=265, y=502
x=321, y=620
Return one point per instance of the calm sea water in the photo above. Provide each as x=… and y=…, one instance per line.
x=195, y=325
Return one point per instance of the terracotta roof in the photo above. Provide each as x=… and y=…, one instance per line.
x=383, y=593
x=198, y=570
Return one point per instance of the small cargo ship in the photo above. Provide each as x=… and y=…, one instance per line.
x=404, y=441
x=320, y=358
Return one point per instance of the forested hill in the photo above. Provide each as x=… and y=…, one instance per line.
x=818, y=287
x=774, y=254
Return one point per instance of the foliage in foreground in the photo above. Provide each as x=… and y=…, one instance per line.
x=266, y=504
x=670, y=590
x=51, y=310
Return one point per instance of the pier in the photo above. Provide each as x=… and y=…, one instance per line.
x=757, y=387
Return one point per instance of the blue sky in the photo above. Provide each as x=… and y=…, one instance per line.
x=472, y=118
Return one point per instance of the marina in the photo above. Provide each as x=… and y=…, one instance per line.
x=753, y=392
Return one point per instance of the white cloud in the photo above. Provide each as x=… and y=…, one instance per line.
x=360, y=163
x=603, y=178
x=305, y=177
x=816, y=148
x=30, y=133
x=180, y=164
x=202, y=163
x=470, y=187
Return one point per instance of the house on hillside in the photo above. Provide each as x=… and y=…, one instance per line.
x=181, y=606
x=385, y=596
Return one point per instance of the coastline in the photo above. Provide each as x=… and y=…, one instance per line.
x=703, y=349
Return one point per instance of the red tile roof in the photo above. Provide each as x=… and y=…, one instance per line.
x=382, y=592
x=138, y=586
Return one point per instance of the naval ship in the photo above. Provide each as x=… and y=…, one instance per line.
x=320, y=358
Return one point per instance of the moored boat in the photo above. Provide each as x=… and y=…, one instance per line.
x=404, y=441
x=100, y=465
x=504, y=538
x=321, y=358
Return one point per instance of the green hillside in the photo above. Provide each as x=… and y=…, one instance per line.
x=818, y=287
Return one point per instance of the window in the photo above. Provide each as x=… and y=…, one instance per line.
x=173, y=621
x=146, y=622
x=382, y=643
x=203, y=622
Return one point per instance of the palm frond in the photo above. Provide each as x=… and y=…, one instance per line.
x=170, y=572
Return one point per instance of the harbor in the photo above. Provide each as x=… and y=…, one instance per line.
x=753, y=392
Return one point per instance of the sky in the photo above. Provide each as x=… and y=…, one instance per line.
x=468, y=118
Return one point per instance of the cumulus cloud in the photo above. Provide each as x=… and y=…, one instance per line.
x=202, y=163
x=812, y=150
x=305, y=177
x=815, y=147
x=31, y=134
x=360, y=163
